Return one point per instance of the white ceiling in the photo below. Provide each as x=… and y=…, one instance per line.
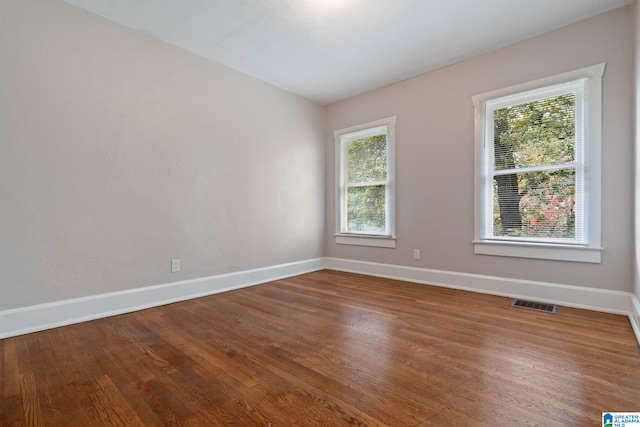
x=327, y=50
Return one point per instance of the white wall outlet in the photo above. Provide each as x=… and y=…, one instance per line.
x=416, y=254
x=175, y=265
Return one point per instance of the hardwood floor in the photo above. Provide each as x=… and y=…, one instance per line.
x=326, y=349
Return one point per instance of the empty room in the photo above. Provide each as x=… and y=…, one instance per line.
x=319, y=213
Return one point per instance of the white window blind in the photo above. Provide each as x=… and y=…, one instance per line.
x=534, y=177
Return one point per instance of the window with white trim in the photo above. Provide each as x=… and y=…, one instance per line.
x=538, y=168
x=365, y=190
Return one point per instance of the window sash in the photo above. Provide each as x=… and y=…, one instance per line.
x=546, y=226
x=576, y=87
x=345, y=139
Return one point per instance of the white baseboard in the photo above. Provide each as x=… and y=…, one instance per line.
x=634, y=316
x=52, y=315
x=608, y=301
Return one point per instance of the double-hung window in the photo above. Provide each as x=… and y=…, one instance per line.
x=538, y=168
x=365, y=190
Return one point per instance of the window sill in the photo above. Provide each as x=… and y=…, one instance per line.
x=365, y=240
x=539, y=251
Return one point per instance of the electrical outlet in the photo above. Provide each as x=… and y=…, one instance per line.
x=175, y=265
x=416, y=254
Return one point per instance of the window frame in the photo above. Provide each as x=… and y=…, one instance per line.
x=342, y=137
x=587, y=164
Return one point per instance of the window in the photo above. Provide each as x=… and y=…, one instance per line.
x=365, y=190
x=538, y=168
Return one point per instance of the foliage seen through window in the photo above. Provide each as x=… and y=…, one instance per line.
x=366, y=184
x=540, y=202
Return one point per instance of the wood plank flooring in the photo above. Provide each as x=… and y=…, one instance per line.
x=325, y=349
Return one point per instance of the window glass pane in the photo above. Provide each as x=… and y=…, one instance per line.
x=535, y=133
x=367, y=159
x=366, y=208
x=540, y=204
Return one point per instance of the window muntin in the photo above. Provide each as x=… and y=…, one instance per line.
x=365, y=163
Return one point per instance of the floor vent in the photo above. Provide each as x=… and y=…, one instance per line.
x=535, y=306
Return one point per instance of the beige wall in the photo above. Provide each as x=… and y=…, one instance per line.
x=120, y=153
x=434, y=154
